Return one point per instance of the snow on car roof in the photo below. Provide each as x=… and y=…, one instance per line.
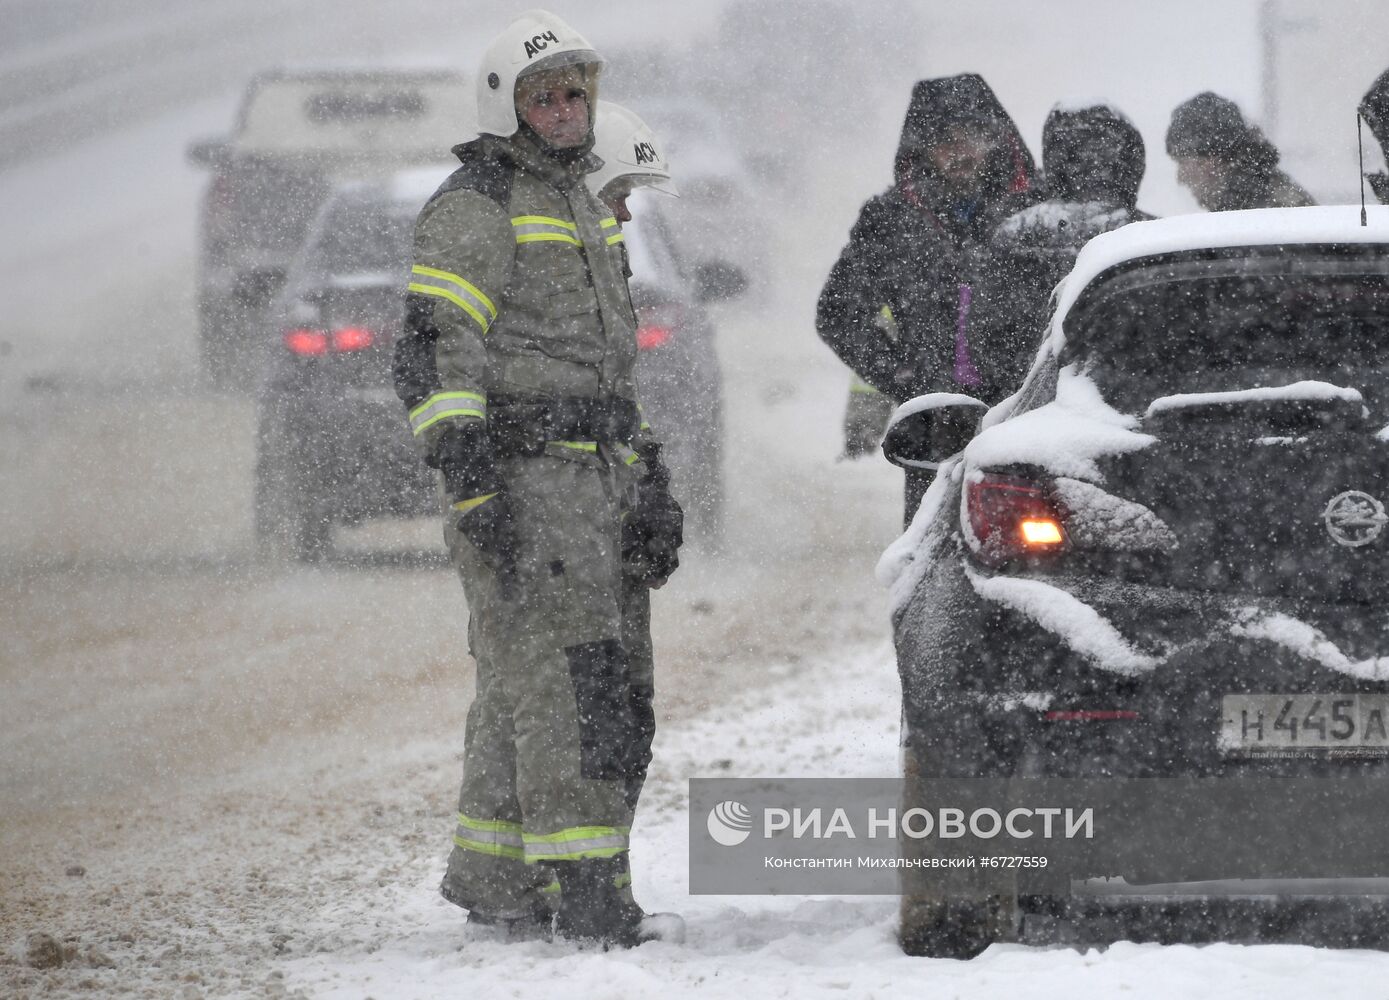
x=1213, y=230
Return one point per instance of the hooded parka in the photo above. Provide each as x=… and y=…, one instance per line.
x=899, y=306
x=1212, y=127
x=1093, y=161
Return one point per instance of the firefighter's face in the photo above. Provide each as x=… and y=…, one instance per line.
x=557, y=112
x=615, y=196
x=961, y=157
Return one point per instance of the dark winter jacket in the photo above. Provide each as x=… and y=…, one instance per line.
x=920, y=249
x=1211, y=127
x=1093, y=158
x=1375, y=110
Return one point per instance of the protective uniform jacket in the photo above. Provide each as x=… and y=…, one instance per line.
x=1212, y=126
x=920, y=251
x=518, y=298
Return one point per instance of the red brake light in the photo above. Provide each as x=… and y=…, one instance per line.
x=306, y=343
x=652, y=336
x=1013, y=517
x=352, y=338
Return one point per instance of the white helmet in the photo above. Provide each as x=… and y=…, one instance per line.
x=629, y=150
x=537, y=40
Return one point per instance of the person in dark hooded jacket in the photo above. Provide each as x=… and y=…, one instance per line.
x=1093, y=160
x=1225, y=161
x=1374, y=108
x=898, y=307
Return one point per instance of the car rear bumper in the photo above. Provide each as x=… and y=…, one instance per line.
x=355, y=448
x=1079, y=677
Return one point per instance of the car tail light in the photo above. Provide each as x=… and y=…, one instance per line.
x=653, y=336
x=306, y=343
x=1012, y=518
x=315, y=343
x=352, y=338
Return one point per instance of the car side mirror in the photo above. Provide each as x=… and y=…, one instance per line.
x=211, y=153
x=925, y=431
x=717, y=281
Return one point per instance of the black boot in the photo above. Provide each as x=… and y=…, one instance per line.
x=596, y=907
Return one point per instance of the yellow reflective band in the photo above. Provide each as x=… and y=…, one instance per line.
x=464, y=284
x=579, y=445
x=623, y=880
x=497, y=838
x=551, y=889
x=619, y=238
x=576, y=843
x=867, y=390
x=608, y=223
x=459, y=301
x=459, y=291
x=463, y=506
x=543, y=229
x=439, y=397
x=886, y=313
x=443, y=405
x=491, y=850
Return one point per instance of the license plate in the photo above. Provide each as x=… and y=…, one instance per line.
x=1293, y=725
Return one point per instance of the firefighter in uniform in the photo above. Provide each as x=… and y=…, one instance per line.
x=515, y=366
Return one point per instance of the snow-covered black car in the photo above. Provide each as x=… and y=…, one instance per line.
x=1166, y=555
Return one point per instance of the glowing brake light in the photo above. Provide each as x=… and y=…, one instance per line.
x=1035, y=532
x=352, y=338
x=1012, y=518
x=315, y=343
x=653, y=336
x=306, y=343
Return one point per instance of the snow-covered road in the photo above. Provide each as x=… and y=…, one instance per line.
x=220, y=778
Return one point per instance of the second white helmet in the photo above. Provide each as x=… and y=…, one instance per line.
x=534, y=42
x=629, y=151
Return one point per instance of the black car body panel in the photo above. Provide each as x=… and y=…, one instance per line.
x=1203, y=449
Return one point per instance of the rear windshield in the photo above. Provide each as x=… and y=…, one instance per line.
x=358, y=238
x=1236, y=323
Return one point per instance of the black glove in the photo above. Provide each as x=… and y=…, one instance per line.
x=654, y=529
x=464, y=455
x=491, y=527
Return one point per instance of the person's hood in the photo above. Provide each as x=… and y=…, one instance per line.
x=1374, y=108
x=941, y=103
x=1092, y=153
x=1209, y=125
